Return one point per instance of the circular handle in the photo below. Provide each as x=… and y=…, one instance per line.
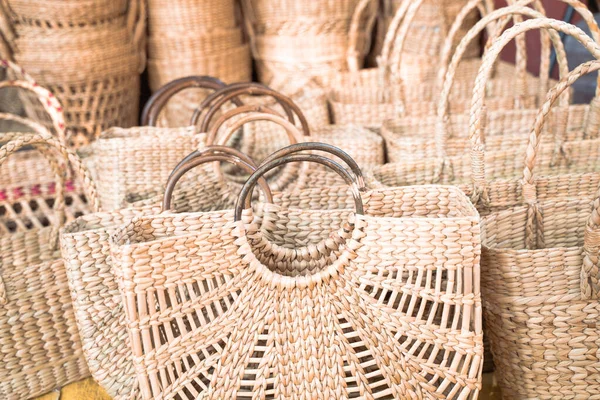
x=287, y=104
x=318, y=146
x=161, y=97
x=266, y=167
x=211, y=135
x=476, y=120
x=212, y=154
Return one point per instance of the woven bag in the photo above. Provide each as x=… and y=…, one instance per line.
x=412, y=138
x=332, y=315
x=42, y=348
x=377, y=94
x=68, y=11
x=93, y=67
x=96, y=298
x=318, y=31
x=492, y=178
x=540, y=263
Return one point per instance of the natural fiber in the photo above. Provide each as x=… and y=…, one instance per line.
x=356, y=311
x=43, y=351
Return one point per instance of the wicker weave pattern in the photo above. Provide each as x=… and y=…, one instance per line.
x=314, y=311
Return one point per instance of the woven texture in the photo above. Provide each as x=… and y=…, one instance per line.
x=92, y=64
x=352, y=309
x=38, y=325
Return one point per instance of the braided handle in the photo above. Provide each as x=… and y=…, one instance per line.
x=353, y=53
x=442, y=126
x=477, y=113
x=161, y=97
x=49, y=102
x=136, y=24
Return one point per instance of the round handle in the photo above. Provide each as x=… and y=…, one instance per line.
x=160, y=98
x=317, y=146
x=477, y=113
x=211, y=135
x=283, y=100
x=266, y=167
x=442, y=126
x=212, y=154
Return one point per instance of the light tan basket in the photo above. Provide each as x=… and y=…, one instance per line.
x=92, y=67
x=184, y=16
x=342, y=294
x=97, y=302
x=540, y=264
x=43, y=351
x=319, y=32
x=67, y=11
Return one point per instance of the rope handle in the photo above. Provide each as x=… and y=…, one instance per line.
x=477, y=114
x=212, y=154
x=136, y=25
x=161, y=97
x=353, y=53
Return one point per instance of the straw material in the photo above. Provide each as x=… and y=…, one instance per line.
x=323, y=34
x=136, y=162
x=92, y=66
x=352, y=309
x=43, y=351
x=67, y=11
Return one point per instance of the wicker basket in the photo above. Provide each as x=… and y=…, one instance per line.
x=97, y=304
x=549, y=348
x=67, y=11
x=101, y=89
x=43, y=349
x=320, y=32
x=337, y=277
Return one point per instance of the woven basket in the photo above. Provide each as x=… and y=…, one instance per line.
x=100, y=89
x=67, y=11
x=552, y=244
x=97, y=304
x=43, y=350
x=184, y=16
x=339, y=292
x=320, y=33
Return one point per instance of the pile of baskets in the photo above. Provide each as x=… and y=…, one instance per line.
x=88, y=53
x=189, y=37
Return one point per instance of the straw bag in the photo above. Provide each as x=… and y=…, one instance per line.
x=68, y=11
x=92, y=66
x=318, y=30
x=572, y=127
x=540, y=280
x=373, y=95
x=412, y=138
x=42, y=348
x=133, y=164
x=360, y=316
x=96, y=298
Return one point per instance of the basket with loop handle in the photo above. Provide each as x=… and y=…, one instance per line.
x=319, y=31
x=133, y=164
x=92, y=67
x=335, y=303
x=43, y=350
x=572, y=126
x=372, y=95
x=86, y=252
x=540, y=272
x=410, y=137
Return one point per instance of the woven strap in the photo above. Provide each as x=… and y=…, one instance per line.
x=353, y=55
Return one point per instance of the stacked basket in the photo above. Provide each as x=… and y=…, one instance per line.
x=306, y=38
x=194, y=38
x=88, y=53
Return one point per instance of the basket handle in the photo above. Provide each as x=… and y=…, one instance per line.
x=7, y=33
x=327, y=148
x=49, y=102
x=258, y=113
x=443, y=111
x=353, y=53
x=277, y=162
x=161, y=97
x=136, y=25
x=477, y=108
x=212, y=154
x=228, y=94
